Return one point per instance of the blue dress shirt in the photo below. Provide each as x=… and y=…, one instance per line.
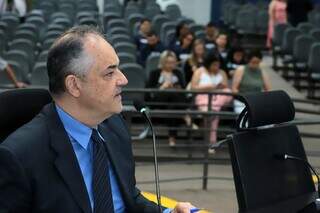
x=80, y=135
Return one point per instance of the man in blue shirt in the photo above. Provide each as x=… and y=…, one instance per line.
x=75, y=155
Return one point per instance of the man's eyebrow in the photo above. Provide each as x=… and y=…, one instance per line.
x=113, y=66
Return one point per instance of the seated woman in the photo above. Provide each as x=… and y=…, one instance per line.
x=195, y=60
x=250, y=78
x=236, y=58
x=183, y=50
x=168, y=77
x=181, y=29
x=210, y=78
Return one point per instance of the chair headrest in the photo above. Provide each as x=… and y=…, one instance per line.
x=265, y=108
x=19, y=106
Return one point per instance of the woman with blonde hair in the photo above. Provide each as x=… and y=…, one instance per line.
x=277, y=15
x=167, y=77
x=195, y=60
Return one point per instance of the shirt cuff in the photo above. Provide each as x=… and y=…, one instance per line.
x=167, y=211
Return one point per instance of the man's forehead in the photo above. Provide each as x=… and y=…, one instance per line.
x=101, y=49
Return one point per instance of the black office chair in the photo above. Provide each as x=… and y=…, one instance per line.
x=18, y=107
x=265, y=180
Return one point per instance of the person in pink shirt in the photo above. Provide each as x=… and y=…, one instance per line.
x=277, y=15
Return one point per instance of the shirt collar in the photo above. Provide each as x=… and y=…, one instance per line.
x=75, y=129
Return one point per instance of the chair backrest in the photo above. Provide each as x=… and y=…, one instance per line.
x=118, y=38
x=315, y=33
x=150, y=12
x=136, y=80
x=314, y=62
x=173, y=11
x=305, y=27
x=115, y=23
x=289, y=37
x=171, y=25
x=18, y=107
x=109, y=16
x=302, y=47
x=22, y=58
x=118, y=30
x=157, y=22
x=152, y=63
x=125, y=47
x=257, y=151
x=126, y=58
x=42, y=57
x=278, y=34
x=39, y=75
x=135, y=74
x=262, y=22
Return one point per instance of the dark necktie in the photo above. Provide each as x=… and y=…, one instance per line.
x=102, y=193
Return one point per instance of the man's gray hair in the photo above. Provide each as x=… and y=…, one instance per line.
x=67, y=56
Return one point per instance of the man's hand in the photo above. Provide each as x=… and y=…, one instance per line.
x=182, y=207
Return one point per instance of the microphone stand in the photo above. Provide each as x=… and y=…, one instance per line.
x=156, y=170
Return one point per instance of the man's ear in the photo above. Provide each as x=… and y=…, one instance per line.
x=73, y=85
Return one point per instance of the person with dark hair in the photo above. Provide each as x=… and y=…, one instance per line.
x=210, y=78
x=153, y=46
x=221, y=49
x=167, y=77
x=250, y=78
x=75, y=155
x=236, y=58
x=195, y=60
x=181, y=30
x=184, y=48
x=144, y=29
x=298, y=10
x=4, y=66
x=211, y=35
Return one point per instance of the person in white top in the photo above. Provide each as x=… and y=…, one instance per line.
x=4, y=66
x=21, y=7
x=210, y=78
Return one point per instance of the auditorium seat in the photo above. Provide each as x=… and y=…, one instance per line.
x=107, y=16
x=126, y=58
x=315, y=33
x=277, y=40
x=173, y=12
x=125, y=47
x=43, y=55
x=25, y=34
x=301, y=52
x=289, y=37
x=151, y=11
x=132, y=19
x=167, y=26
x=117, y=22
x=262, y=21
x=21, y=58
x=136, y=80
x=120, y=38
x=152, y=63
x=314, y=69
x=39, y=76
x=157, y=22
x=26, y=46
x=118, y=31
x=305, y=27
